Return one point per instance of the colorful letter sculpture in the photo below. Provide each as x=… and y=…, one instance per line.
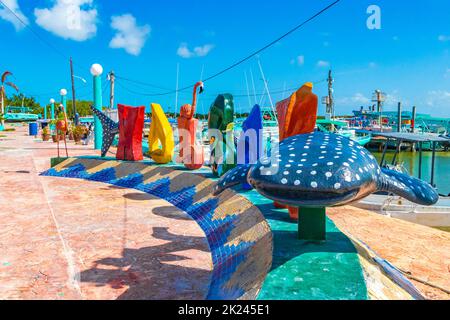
x=110, y=129
x=62, y=126
x=191, y=152
x=160, y=139
x=250, y=143
x=129, y=128
x=131, y=125
x=221, y=138
x=297, y=115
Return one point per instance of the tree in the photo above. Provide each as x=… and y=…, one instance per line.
x=83, y=108
x=20, y=99
x=4, y=77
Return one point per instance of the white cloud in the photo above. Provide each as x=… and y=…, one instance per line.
x=300, y=61
x=444, y=38
x=200, y=51
x=7, y=15
x=129, y=36
x=323, y=64
x=356, y=99
x=438, y=98
x=69, y=19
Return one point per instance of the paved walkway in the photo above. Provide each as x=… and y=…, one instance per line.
x=59, y=241
x=422, y=252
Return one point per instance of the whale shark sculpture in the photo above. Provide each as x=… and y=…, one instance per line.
x=324, y=170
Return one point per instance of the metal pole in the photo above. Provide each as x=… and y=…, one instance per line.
x=384, y=152
x=112, y=78
x=397, y=151
x=312, y=224
x=399, y=120
x=420, y=160
x=413, y=120
x=74, y=105
x=433, y=163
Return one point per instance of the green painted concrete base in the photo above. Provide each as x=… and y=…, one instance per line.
x=309, y=270
x=312, y=224
x=55, y=161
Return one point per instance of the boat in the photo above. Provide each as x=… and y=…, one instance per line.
x=19, y=114
x=393, y=206
x=342, y=128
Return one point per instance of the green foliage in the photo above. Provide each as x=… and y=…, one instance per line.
x=82, y=106
x=30, y=102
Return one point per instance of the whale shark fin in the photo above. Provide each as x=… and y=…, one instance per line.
x=110, y=129
x=233, y=177
x=410, y=188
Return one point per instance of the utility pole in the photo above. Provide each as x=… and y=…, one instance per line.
x=328, y=101
x=74, y=107
x=112, y=79
x=379, y=97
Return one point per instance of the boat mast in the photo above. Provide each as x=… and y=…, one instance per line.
x=248, y=90
x=267, y=90
x=176, y=92
x=253, y=84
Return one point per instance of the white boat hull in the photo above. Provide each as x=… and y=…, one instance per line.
x=399, y=208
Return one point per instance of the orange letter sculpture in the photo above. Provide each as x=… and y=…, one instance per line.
x=297, y=115
x=62, y=126
x=191, y=152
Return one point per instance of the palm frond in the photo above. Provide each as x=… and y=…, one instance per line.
x=5, y=75
x=12, y=85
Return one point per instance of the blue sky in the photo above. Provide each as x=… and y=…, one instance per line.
x=408, y=58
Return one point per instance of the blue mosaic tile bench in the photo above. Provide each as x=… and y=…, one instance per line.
x=239, y=237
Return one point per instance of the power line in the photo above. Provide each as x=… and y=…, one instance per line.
x=215, y=95
x=254, y=53
x=34, y=31
x=142, y=83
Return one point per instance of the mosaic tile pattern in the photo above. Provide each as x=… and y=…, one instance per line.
x=240, y=239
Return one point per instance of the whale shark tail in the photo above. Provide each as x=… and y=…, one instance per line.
x=233, y=177
x=110, y=129
x=410, y=188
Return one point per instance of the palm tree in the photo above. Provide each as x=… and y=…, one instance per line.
x=2, y=92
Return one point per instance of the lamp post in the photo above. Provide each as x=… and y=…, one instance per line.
x=52, y=108
x=96, y=71
x=63, y=93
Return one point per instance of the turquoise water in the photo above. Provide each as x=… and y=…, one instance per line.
x=411, y=162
